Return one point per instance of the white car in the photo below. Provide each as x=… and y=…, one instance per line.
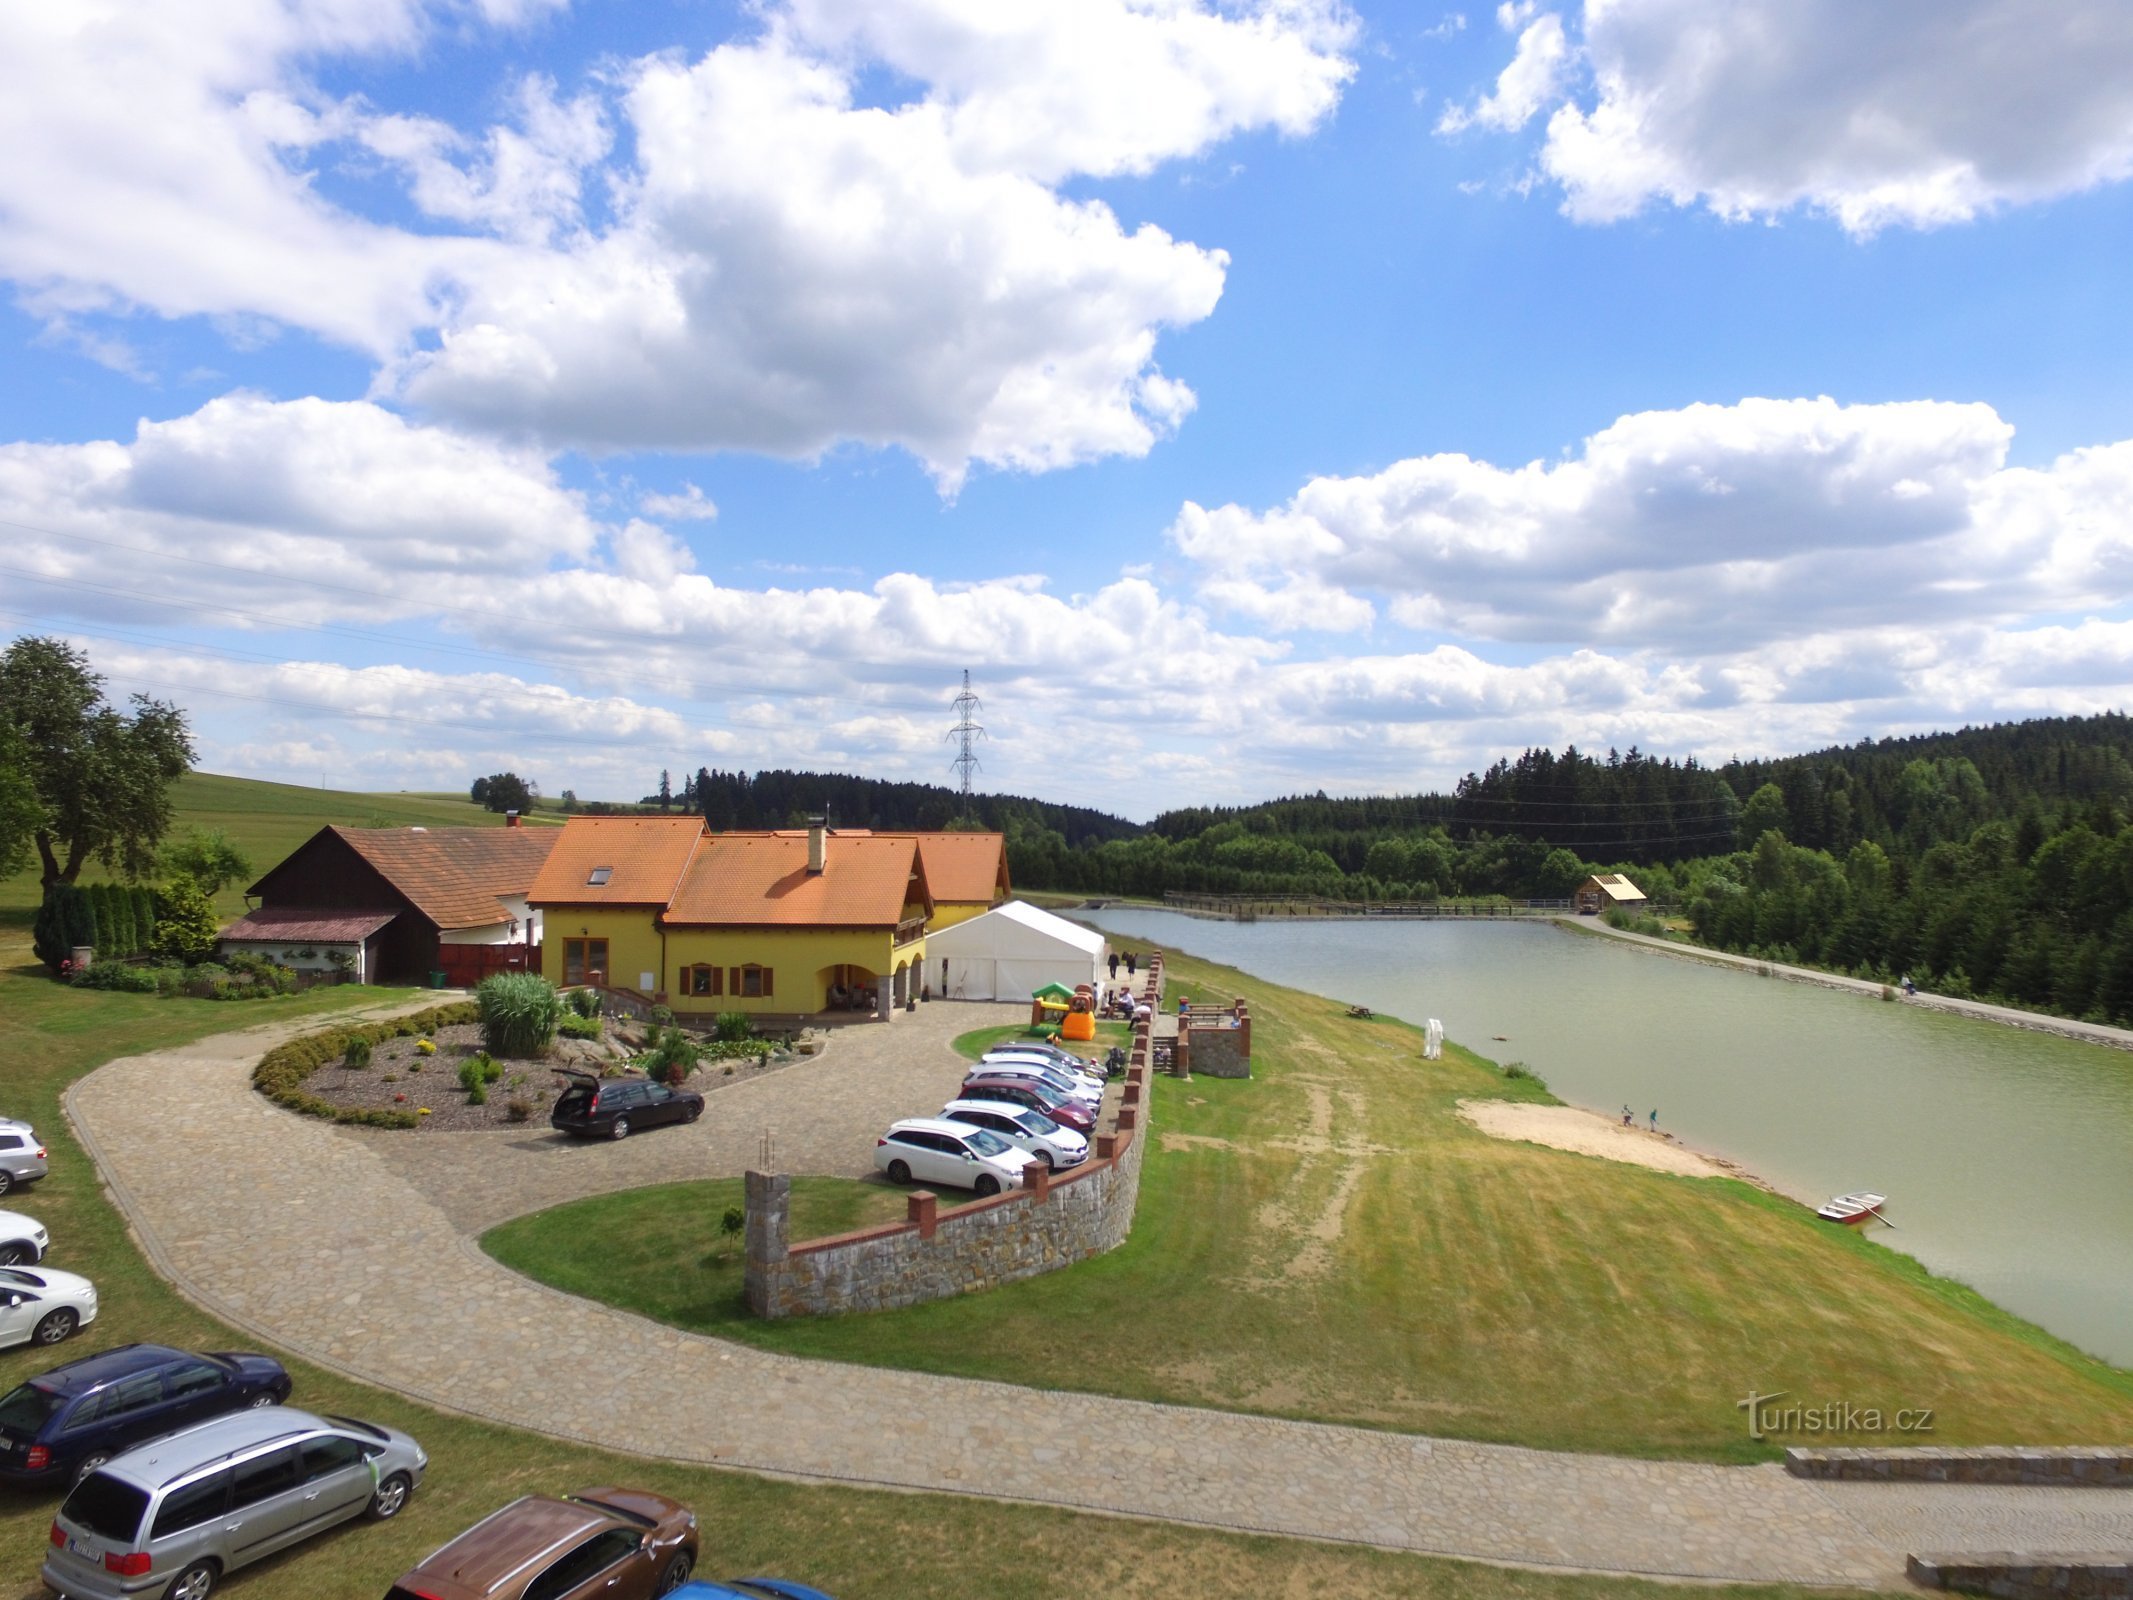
x=1033, y=1131
x=22, y=1239
x=1058, y=1055
x=933, y=1150
x=1076, y=1072
x=1078, y=1090
x=39, y=1306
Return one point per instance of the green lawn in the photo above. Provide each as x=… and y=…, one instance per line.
x=268, y=820
x=859, y=1545
x=975, y=1043
x=1331, y=1240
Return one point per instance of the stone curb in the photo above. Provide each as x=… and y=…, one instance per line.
x=2068, y=1466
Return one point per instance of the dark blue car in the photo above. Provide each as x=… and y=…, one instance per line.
x=746, y=1589
x=69, y=1421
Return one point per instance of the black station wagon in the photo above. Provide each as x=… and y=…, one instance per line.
x=71, y=1420
x=614, y=1108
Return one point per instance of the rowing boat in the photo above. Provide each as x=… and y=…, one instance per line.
x=1853, y=1209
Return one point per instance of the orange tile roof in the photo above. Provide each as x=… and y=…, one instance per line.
x=453, y=876
x=965, y=866
x=644, y=857
x=959, y=866
x=753, y=879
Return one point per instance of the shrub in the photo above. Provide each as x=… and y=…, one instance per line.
x=662, y=1016
x=357, y=1054
x=425, y=1047
x=575, y=1026
x=733, y=1026
x=519, y=1013
x=586, y=1002
x=62, y=923
x=673, y=1056
x=518, y=1108
x=118, y=976
x=185, y=921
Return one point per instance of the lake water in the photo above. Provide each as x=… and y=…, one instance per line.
x=2007, y=1156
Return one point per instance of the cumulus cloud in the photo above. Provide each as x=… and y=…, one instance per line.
x=1533, y=79
x=740, y=251
x=1878, y=116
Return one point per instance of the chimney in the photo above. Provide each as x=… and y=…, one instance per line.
x=817, y=843
x=510, y=819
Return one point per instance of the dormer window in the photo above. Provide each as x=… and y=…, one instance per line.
x=598, y=877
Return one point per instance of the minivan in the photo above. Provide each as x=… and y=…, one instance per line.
x=173, y=1516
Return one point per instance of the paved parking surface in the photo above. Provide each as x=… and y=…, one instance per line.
x=303, y=1235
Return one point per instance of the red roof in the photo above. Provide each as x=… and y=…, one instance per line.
x=454, y=876
x=298, y=925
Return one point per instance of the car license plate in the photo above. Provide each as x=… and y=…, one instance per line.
x=87, y=1552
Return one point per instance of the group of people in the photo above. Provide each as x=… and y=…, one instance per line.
x=1131, y=959
x=1629, y=1118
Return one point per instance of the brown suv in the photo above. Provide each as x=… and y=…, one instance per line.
x=618, y=1544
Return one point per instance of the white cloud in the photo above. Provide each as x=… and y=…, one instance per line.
x=775, y=263
x=1876, y=115
x=690, y=505
x=1532, y=80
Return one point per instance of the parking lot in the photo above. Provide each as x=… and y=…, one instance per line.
x=824, y=1116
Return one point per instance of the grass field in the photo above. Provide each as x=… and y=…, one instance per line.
x=268, y=820
x=1330, y=1240
x=858, y=1545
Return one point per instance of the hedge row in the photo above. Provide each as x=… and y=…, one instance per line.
x=282, y=1071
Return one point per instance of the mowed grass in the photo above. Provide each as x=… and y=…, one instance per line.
x=970, y=1046
x=1331, y=1240
x=856, y=1544
x=268, y=820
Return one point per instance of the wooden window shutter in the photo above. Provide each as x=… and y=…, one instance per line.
x=766, y=980
x=718, y=975
x=736, y=980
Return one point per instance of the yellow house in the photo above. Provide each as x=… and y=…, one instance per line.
x=967, y=873
x=773, y=924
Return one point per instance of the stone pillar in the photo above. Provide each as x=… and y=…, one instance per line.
x=1127, y=1118
x=884, y=1000
x=1131, y=1094
x=921, y=1209
x=1181, y=1052
x=769, y=1207
x=1037, y=1179
x=1106, y=1146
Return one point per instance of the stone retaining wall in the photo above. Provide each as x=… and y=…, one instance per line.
x=2067, y=1466
x=934, y=1253
x=2023, y=1575
x=1215, y=1044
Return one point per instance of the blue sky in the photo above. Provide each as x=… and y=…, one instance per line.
x=1254, y=396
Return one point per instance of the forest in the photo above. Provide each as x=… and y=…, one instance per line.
x=1995, y=862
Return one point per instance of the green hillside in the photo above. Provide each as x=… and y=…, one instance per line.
x=268, y=820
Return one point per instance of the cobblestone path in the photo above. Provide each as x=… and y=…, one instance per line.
x=335, y=1247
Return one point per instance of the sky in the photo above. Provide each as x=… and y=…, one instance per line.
x=1253, y=396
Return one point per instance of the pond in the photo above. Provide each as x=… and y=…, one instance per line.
x=2007, y=1156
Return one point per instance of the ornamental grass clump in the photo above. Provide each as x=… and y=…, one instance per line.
x=519, y=1013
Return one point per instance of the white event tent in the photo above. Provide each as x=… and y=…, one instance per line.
x=1010, y=952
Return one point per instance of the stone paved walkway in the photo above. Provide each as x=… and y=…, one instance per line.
x=321, y=1243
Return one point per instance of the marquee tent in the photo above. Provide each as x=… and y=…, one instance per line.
x=1010, y=953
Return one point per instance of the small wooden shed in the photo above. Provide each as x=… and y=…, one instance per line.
x=1606, y=889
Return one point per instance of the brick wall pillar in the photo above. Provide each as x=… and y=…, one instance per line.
x=1181, y=1052
x=921, y=1209
x=1037, y=1179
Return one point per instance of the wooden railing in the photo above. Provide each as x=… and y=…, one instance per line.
x=910, y=931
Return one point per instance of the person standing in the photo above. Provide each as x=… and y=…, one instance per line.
x=1655, y=1119
x=1114, y=966
x=1628, y=1116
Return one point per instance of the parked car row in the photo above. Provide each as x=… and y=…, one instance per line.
x=1021, y=1105
x=38, y=1305
x=186, y=1467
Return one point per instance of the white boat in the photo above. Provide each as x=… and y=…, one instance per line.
x=1853, y=1209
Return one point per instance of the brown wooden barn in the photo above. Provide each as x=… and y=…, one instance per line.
x=1606, y=889
x=399, y=904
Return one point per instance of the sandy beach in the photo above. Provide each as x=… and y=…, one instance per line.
x=1589, y=1133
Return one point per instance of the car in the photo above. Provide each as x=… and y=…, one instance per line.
x=22, y=1239
x=1052, y=1143
x=616, y=1544
x=172, y=1516
x=22, y=1156
x=934, y=1150
x=1031, y=1097
x=66, y=1423
x=1060, y=1061
x=39, y=1306
x=614, y=1108
x=1043, y=1077
x=746, y=1589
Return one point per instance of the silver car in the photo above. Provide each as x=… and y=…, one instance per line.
x=1030, y=1131
x=170, y=1517
x=22, y=1157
